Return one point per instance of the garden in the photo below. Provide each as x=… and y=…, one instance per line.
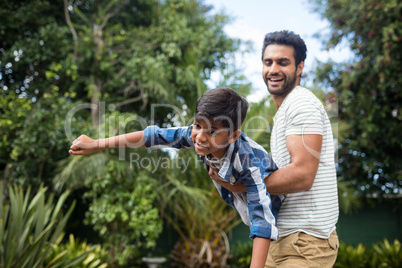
x=104, y=68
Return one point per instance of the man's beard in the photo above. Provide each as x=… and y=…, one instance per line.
x=290, y=84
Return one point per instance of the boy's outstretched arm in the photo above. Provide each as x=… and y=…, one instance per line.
x=85, y=145
x=260, y=252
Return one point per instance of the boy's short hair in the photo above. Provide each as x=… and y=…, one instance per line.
x=222, y=105
x=289, y=38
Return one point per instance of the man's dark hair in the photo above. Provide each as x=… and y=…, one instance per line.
x=222, y=105
x=286, y=38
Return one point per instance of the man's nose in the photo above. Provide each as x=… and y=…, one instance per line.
x=274, y=68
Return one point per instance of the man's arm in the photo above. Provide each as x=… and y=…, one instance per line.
x=85, y=145
x=305, y=151
x=260, y=252
x=298, y=176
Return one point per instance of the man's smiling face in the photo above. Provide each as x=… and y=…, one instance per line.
x=279, y=69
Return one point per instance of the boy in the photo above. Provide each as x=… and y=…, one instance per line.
x=215, y=136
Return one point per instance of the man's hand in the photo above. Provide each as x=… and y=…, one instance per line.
x=84, y=145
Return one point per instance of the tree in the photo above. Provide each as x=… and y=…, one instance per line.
x=135, y=53
x=116, y=55
x=32, y=136
x=119, y=56
x=368, y=90
x=34, y=92
x=34, y=39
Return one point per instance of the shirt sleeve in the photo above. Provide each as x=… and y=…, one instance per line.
x=179, y=138
x=305, y=117
x=263, y=221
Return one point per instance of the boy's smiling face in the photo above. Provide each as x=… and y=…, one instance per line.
x=211, y=137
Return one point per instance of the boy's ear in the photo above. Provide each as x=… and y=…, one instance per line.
x=234, y=136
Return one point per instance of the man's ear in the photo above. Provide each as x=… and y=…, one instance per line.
x=234, y=136
x=300, y=68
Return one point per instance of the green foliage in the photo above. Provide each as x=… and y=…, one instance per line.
x=382, y=254
x=121, y=201
x=13, y=113
x=127, y=53
x=191, y=204
x=120, y=193
x=163, y=57
x=367, y=90
x=388, y=255
x=76, y=254
x=241, y=255
x=33, y=136
x=207, y=249
x=259, y=121
x=350, y=256
x=34, y=36
x=122, y=211
x=349, y=198
x=29, y=226
x=123, y=56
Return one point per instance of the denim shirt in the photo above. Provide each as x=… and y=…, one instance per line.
x=245, y=162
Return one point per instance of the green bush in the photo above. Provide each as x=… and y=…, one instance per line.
x=29, y=228
x=123, y=213
x=241, y=255
x=382, y=254
x=388, y=255
x=76, y=254
x=351, y=256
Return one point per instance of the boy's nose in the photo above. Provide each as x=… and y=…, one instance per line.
x=201, y=136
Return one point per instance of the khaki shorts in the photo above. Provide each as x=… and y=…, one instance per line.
x=301, y=250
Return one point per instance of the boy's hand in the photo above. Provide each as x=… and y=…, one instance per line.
x=213, y=174
x=84, y=145
x=234, y=188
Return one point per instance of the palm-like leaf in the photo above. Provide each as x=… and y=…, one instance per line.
x=28, y=228
x=350, y=256
x=192, y=205
x=76, y=171
x=76, y=254
x=387, y=254
x=349, y=198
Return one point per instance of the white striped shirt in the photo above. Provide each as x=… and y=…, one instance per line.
x=316, y=211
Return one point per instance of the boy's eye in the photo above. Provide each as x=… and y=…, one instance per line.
x=212, y=132
x=197, y=126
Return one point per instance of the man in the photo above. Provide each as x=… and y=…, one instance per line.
x=302, y=147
